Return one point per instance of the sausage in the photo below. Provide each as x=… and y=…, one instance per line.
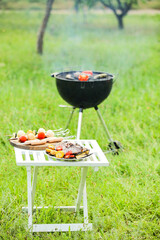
x=38, y=142
x=54, y=139
x=43, y=141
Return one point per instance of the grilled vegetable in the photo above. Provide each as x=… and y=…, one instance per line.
x=29, y=131
x=22, y=138
x=67, y=150
x=20, y=133
x=83, y=154
x=59, y=154
x=41, y=130
x=53, y=152
x=50, y=146
x=31, y=136
x=76, y=74
x=41, y=135
x=68, y=153
x=49, y=133
x=99, y=76
x=59, y=148
x=88, y=72
x=69, y=76
x=48, y=150
x=83, y=77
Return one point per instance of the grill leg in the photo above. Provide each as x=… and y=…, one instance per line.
x=70, y=118
x=104, y=125
x=79, y=123
x=114, y=146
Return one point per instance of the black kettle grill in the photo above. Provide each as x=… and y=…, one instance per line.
x=86, y=94
x=83, y=94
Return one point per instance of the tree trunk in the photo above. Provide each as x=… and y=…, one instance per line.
x=43, y=26
x=76, y=6
x=120, y=22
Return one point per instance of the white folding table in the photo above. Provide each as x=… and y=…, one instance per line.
x=29, y=158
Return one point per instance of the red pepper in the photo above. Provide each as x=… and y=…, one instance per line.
x=83, y=77
x=68, y=153
x=72, y=156
x=88, y=72
x=67, y=156
x=59, y=148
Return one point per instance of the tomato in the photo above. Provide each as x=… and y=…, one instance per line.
x=67, y=156
x=83, y=77
x=69, y=153
x=22, y=138
x=59, y=148
x=88, y=72
x=41, y=135
x=72, y=156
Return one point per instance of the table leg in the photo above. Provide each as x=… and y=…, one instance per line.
x=29, y=197
x=81, y=187
x=85, y=209
x=34, y=183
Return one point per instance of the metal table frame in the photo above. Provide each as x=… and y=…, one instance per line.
x=37, y=159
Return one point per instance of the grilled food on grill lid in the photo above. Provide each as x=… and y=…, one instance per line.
x=76, y=74
x=69, y=76
x=99, y=76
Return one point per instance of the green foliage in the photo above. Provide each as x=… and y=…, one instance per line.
x=114, y=3
x=123, y=199
x=120, y=8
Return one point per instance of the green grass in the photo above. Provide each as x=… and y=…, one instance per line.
x=124, y=198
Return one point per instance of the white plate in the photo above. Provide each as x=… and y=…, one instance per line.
x=68, y=159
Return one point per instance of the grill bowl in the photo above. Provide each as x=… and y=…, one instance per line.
x=83, y=94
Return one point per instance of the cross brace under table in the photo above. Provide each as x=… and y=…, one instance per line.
x=23, y=158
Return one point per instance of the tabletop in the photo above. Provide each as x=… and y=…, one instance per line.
x=39, y=158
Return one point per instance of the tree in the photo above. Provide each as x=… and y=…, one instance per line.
x=76, y=5
x=43, y=26
x=120, y=8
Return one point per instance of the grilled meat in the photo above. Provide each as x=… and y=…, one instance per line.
x=69, y=146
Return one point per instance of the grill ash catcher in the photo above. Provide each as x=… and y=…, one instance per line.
x=86, y=90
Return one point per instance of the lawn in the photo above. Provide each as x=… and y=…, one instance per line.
x=123, y=199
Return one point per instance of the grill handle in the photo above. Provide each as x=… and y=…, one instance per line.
x=54, y=74
x=115, y=77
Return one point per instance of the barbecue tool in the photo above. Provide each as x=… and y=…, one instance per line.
x=85, y=95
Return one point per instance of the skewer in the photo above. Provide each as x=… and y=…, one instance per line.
x=57, y=132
